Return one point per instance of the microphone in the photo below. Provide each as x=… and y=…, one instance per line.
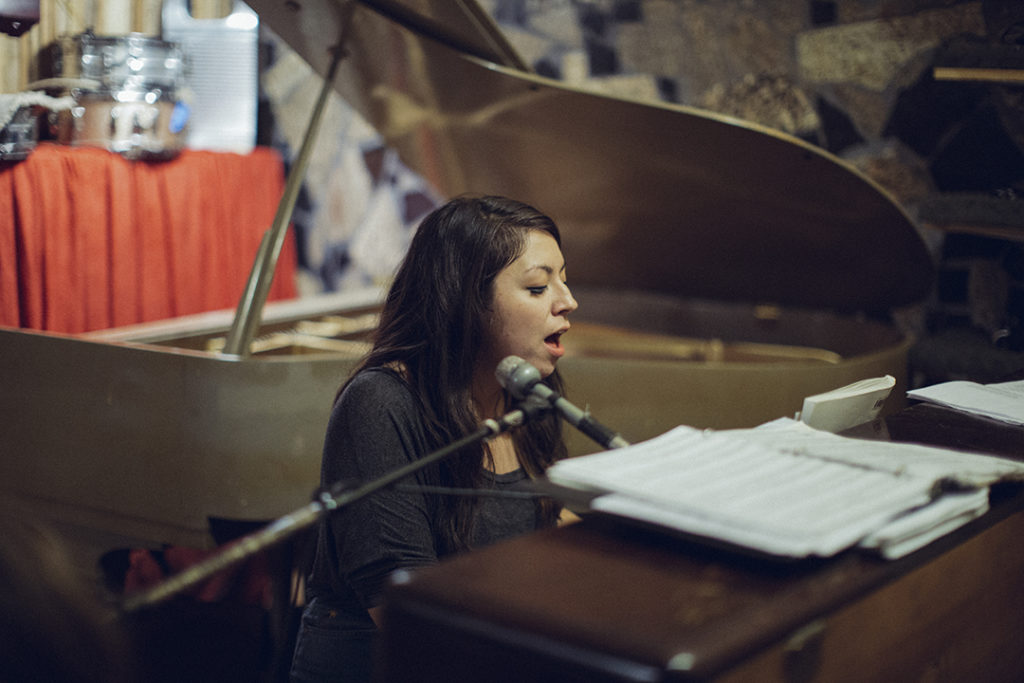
x=523, y=381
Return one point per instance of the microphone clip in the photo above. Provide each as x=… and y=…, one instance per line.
x=530, y=408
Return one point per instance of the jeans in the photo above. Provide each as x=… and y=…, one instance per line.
x=333, y=646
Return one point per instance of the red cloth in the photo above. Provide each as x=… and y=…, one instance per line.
x=246, y=582
x=90, y=240
x=10, y=307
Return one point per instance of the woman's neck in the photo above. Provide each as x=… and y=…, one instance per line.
x=503, y=455
x=489, y=402
x=488, y=396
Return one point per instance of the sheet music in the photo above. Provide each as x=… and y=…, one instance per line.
x=931, y=462
x=919, y=527
x=783, y=488
x=1003, y=401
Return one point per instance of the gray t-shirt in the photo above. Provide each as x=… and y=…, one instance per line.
x=375, y=428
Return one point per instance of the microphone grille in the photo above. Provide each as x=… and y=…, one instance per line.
x=505, y=370
x=517, y=376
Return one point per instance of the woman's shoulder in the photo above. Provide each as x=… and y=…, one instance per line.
x=377, y=385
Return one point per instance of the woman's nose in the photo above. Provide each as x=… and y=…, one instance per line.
x=565, y=303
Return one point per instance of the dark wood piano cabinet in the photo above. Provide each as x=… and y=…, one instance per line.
x=601, y=601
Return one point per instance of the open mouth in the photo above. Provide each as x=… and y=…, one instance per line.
x=554, y=340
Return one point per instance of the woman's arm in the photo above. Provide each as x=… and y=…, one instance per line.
x=374, y=430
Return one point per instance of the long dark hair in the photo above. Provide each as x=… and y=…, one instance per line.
x=432, y=326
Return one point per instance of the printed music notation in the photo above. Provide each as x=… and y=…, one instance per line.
x=787, y=490
x=1003, y=401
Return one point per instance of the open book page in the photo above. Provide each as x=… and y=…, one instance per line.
x=847, y=406
x=1003, y=401
x=783, y=489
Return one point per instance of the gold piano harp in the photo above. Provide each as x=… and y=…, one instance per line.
x=723, y=271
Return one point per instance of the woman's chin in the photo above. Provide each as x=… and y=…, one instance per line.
x=544, y=367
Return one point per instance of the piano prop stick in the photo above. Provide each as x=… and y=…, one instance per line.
x=250, y=306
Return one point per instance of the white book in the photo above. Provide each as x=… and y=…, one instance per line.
x=847, y=406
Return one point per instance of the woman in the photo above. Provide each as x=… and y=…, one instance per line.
x=484, y=278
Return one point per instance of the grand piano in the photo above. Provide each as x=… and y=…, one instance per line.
x=724, y=270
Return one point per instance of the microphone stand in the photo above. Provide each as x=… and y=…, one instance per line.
x=325, y=501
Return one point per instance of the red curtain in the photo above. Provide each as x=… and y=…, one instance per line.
x=90, y=240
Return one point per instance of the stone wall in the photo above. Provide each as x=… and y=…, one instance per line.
x=854, y=77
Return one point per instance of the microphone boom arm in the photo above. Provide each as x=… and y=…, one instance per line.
x=325, y=501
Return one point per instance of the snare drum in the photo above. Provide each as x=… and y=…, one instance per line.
x=130, y=93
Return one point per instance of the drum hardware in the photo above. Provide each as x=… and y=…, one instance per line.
x=19, y=135
x=20, y=115
x=130, y=92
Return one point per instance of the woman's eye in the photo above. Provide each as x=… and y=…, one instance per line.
x=537, y=290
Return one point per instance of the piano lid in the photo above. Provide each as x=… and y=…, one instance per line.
x=649, y=196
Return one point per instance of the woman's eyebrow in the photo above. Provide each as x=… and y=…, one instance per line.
x=546, y=268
